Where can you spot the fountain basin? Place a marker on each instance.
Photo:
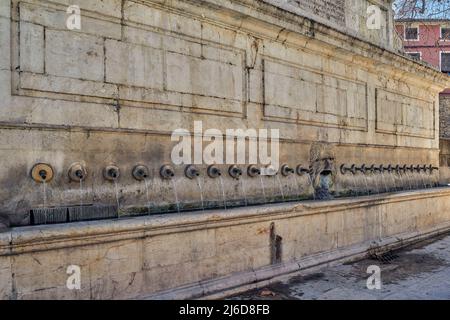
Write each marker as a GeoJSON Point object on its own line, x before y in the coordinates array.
{"type": "Point", "coordinates": [209, 253]}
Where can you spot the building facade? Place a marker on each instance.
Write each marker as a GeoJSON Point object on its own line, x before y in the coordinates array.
{"type": "Point", "coordinates": [428, 40]}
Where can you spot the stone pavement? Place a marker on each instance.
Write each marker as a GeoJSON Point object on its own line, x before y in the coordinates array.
{"type": "Point", "coordinates": [418, 272]}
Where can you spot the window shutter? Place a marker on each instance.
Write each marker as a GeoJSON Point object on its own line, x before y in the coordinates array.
{"type": "Point", "coordinates": [446, 33]}
{"type": "Point", "coordinates": [445, 62]}
{"type": "Point", "coordinates": [411, 33]}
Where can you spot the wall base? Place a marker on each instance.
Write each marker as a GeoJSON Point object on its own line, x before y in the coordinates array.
{"type": "Point", "coordinates": [234, 284]}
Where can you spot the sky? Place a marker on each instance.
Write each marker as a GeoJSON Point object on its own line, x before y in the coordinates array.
{"type": "Point", "coordinates": [434, 9]}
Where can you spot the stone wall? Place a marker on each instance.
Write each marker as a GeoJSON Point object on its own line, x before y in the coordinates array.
{"type": "Point", "coordinates": [444, 161]}
{"type": "Point", "coordinates": [444, 116]}
{"type": "Point", "coordinates": [349, 16]}
{"type": "Point", "coordinates": [444, 133]}
{"type": "Point", "coordinates": [196, 255]}
{"type": "Point", "coordinates": [113, 92]}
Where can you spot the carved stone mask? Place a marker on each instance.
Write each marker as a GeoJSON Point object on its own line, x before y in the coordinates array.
{"type": "Point", "coordinates": [323, 170]}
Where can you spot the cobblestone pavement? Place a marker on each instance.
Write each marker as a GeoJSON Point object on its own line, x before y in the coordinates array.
{"type": "Point", "coordinates": [418, 272]}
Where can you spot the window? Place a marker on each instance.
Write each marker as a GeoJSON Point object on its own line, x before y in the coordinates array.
{"type": "Point", "coordinates": [445, 62]}
{"type": "Point", "coordinates": [415, 55]}
{"type": "Point", "coordinates": [412, 33]}
{"type": "Point", "coordinates": [445, 33]}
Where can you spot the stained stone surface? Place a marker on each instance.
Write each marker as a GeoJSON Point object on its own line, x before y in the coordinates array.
{"type": "Point", "coordinates": [114, 91]}
{"type": "Point", "coordinates": [419, 272]}
{"type": "Point", "coordinates": [333, 10]}
{"type": "Point", "coordinates": [190, 255]}
{"type": "Point", "coordinates": [444, 116]}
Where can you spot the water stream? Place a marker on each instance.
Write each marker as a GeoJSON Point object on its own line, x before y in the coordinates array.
{"type": "Point", "coordinates": [263, 188]}
{"type": "Point", "coordinates": [367, 185]}
{"type": "Point", "coordinates": [175, 193]}
{"type": "Point", "coordinates": [44, 191]}
{"type": "Point", "coordinates": [223, 193]}
{"type": "Point", "coordinates": [200, 188]}
{"type": "Point", "coordinates": [81, 197]}
{"type": "Point", "coordinates": [116, 187]}
{"type": "Point", "coordinates": [355, 187]}
{"type": "Point", "coordinates": [383, 177]}
{"type": "Point", "coordinates": [312, 186]}
{"type": "Point", "coordinates": [423, 180]}
{"type": "Point", "coordinates": [297, 186]}
{"type": "Point", "coordinates": [244, 190]}
{"type": "Point", "coordinates": [147, 192]}
{"type": "Point", "coordinates": [281, 187]}
{"type": "Point", "coordinates": [393, 181]}
{"type": "Point", "coordinates": [374, 177]}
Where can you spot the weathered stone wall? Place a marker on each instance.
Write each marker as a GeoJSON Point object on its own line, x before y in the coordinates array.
{"type": "Point", "coordinates": [444, 134]}
{"type": "Point", "coordinates": [114, 91]}
{"type": "Point", "coordinates": [444, 116]}
{"type": "Point", "coordinates": [444, 161]}
{"type": "Point", "coordinates": [333, 11]}
{"type": "Point", "coordinates": [146, 256]}
{"type": "Point", "coordinates": [349, 16]}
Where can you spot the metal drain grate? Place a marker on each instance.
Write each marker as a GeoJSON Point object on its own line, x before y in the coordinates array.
{"type": "Point", "coordinates": [385, 258]}
{"type": "Point", "coordinates": [48, 216]}
{"type": "Point", "coordinates": [92, 213]}
{"type": "Point", "coordinates": [41, 216]}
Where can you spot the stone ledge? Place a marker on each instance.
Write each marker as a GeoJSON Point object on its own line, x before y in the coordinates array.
{"type": "Point", "coordinates": [41, 238]}
{"type": "Point", "coordinates": [206, 254]}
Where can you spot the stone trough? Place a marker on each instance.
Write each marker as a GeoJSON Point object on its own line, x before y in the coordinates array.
{"type": "Point", "coordinates": [213, 253]}
{"type": "Point", "coordinates": [88, 115]}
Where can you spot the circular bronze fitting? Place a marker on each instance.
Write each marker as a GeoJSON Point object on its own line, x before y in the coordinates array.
{"type": "Point", "coordinates": [286, 170]}
{"type": "Point", "coordinates": [140, 172]}
{"type": "Point", "coordinates": [214, 172]}
{"type": "Point", "coordinates": [235, 172]}
{"type": "Point", "coordinates": [167, 172]}
{"type": "Point", "coordinates": [77, 172]}
{"type": "Point", "coordinates": [111, 173]}
{"type": "Point", "coordinates": [42, 172]}
{"type": "Point", "coordinates": [253, 171]}
{"type": "Point", "coordinates": [192, 172]}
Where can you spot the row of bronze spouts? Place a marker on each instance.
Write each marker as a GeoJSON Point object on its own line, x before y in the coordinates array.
{"type": "Point", "coordinates": [78, 172]}
{"type": "Point", "coordinates": [141, 172]}
{"type": "Point", "coordinates": [390, 168]}
{"type": "Point", "coordinates": [213, 171]}
{"type": "Point", "coordinates": [167, 172]}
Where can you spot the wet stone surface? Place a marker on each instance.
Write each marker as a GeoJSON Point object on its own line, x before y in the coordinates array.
{"type": "Point", "coordinates": [419, 272]}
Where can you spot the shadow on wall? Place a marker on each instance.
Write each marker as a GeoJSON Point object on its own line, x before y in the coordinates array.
{"type": "Point", "coordinates": [444, 160]}
{"type": "Point", "coordinates": [4, 223]}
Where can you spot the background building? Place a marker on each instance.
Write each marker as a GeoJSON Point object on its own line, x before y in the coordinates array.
{"type": "Point", "coordinates": [428, 40]}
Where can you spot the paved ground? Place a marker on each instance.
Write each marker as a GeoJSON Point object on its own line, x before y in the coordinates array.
{"type": "Point", "coordinates": [418, 272]}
